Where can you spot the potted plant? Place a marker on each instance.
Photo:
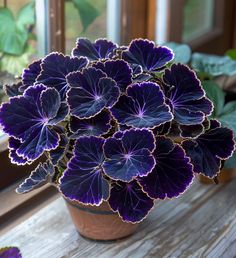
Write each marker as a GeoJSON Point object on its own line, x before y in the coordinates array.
{"type": "Point", "coordinates": [105, 119]}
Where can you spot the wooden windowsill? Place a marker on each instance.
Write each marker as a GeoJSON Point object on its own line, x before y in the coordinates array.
{"type": "Point", "coordinates": [15, 208]}
{"type": "Point", "coordinates": [201, 223]}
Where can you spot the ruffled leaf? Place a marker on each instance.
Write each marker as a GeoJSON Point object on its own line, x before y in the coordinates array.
{"type": "Point", "coordinates": [57, 154]}
{"type": "Point", "coordinates": [29, 118]}
{"type": "Point", "coordinates": [187, 97]}
{"type": "Point", "coordinates": [30, 74]}
{"type": "Point", "coordinates": [172, 174]}
{"type": "Point", "coordinates": [130, 155]}
{"type": "Point", "coordinates": [100, 49]}
{"type": "Point", "coordinates": [83, 179]}
{"type": "Point", "coordinates": [143, 107]}
{"type": "Point", "coordinates": [55, 68]}
{"type": "Point", "coordinates": [91, 92]}
{"type": "Point", "coordinates": [128, 199]}
{"type": "Point", "coordinates": [14, 144]}
{"type": "Point", "coordinates": [40, 176]}
{"type": "Point", "coordinates": [13, 89]}
{"type": "Point", "coordinates": [118, 70]}
{"type": "Point", "coordinates": [209, 149]}
{"type": "Point", "coordinates": [96, 126]}
{"type": "Point", "coordinates": [144, 53]}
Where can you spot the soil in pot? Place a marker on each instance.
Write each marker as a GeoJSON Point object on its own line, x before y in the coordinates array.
{"type": "Point", "coordinates": [226, 175]}
{"type": "Point", "coordinates": [99, 222]}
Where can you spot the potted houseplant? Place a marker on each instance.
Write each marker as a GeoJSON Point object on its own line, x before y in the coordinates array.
{"type": "Point", "coordinates": [106, 118]}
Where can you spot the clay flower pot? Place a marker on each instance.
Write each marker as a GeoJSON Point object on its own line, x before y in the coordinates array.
{"type": "Point", "coordinates": [99, 222]}
{"type": "Point", "coordinates": [226, 175]}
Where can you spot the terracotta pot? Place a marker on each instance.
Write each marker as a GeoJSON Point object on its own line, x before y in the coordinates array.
{"type": "Point", "coordinates": [99, 222]}
{"type": "Point", "coordinates": [226, 175]}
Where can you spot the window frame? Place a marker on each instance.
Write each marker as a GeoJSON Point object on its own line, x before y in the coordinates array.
{"type": "Point", "coordinates": [222, 26]}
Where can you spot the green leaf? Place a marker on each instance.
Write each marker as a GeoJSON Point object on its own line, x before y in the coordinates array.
{"type": "Point", "coordinates": [231, 162]}
{"type": "Point", "coordinates": [229, 108]}
{"type": "Point", "coordinates": [88, 13]}
{"type": "Point", "coordinates": [182, 52]}
{"type": "Point", "coordinates": [26, 16]}
{"type": "Point", "coordinates": [12, 38]}
{"type": "Point", "coordinates": [231, 53]}
{"type": "Point", "coordinates": [216, 95]}
{"type": "Point", "coordinates": [213, 65]}
{"type": "Point", "coordinates": [15, 64]}
{"type": "Point", "coordinates": [228, 116]}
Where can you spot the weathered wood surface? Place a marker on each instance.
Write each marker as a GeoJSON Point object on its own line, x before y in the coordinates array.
{"type": "Point", "coordinates": [202, 223]}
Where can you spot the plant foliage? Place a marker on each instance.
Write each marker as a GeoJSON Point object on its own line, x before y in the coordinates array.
{"type": "Point", "coordinates": [106, 118]}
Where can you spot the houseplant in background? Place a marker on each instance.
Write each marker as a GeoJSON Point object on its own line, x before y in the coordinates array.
{"type": "Point", "coordinates": [218, 76]}
{"type": "Point", "coordinates": [105, 118]}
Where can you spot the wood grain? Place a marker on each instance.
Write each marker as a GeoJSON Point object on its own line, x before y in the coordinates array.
{"type": "Point", "coordinates": [202, 223]}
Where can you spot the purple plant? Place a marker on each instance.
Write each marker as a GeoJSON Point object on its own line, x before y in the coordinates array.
{"type": "Point", "coordinates": [107, 119]}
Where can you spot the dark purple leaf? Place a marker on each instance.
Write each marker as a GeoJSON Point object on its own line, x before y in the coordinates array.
{"type": "Point", "coordinates": [144, 52]}
{"type": "Point", "coordinates": [143, 107]}
{"type": "Point", "coordinates": [118, 70]}
{"type": "Point", "coordinates": [14, 144]}
{"type": "Point", "coordinates": [128, 199]}
{"type": "Point", "coordinates": [100, 49]}
{"type": "Point", "coordinates": [96, 126]}
{"type": "Point", "coordinates": [187, 97]}
{"type": "Point", "coordinates": [55, 68]}
{"type": "Point", "coordinates": [142, 77]}
{"type": "Point", "coordinates": [172, 174]}
{"type": "Point", "coordinates": [130, 155]}
{"type": "Point", "coordinates": [57, 154]}
{"type": "Point", "coordinates": [40, 176]}
{"type": "Point", "coordinates": [91, 92]}
{"type": "Point", "coordinates": [13, 89]}
{"type": "Point", "coordinates": [40, 139]}
{"type": "Point", "coordinates": [30, 74]}
{"type": "Point", "coordinates": [83, 179]}
{"type": "Point", "coordinates": [162, 129]}
{"type": "Point", "coordinates": [191, 131]}
{"type": "Point", "coordinates": [10, 252]}
{"type": "Point", "coordinates": [29, 119]}
{"type": "Point", "coordinates": [209, 149]}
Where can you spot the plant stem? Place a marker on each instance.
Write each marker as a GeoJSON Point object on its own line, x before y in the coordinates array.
{"type": "Point", "coordinates": [5, 3]}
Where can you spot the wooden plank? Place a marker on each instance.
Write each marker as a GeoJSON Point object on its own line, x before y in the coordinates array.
{"type": "Point", "coordinates": [201, 223]}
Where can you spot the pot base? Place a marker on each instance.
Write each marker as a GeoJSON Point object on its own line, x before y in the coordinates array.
{"type": "Point", "coordinates": [226, 175]}
{"type": "Point", "coordinates": [99, 222]}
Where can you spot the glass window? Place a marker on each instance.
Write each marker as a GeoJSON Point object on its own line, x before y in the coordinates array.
{"type": "Point", "coordinates": [86, 18]}
{"type": "Point", "coordinates": [198, 18]}
{"type": "Point", "coordinates": [17, 38]}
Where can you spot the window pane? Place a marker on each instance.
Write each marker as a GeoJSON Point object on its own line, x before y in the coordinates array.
{"type": "Point", "coordinates": [17, 39]}
{"type": "Point", "coordinates": [198, 18]}
{"type": "Point", "coordinates": [87, 18]}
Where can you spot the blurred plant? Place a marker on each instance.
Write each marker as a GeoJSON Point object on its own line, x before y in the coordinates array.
{"type": "Point", "coordinates": [15, 33]}
{"type": "Point", "coordinates": [231, 53]}
{"type": "Point", "coordinates": [223, 112]}
{"type": "Point", "coordinates": [182, 52]}
{"type": "Point", "coordinates": [213, 65]}
{"type": "Point", "coordinates": [87, 12]}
